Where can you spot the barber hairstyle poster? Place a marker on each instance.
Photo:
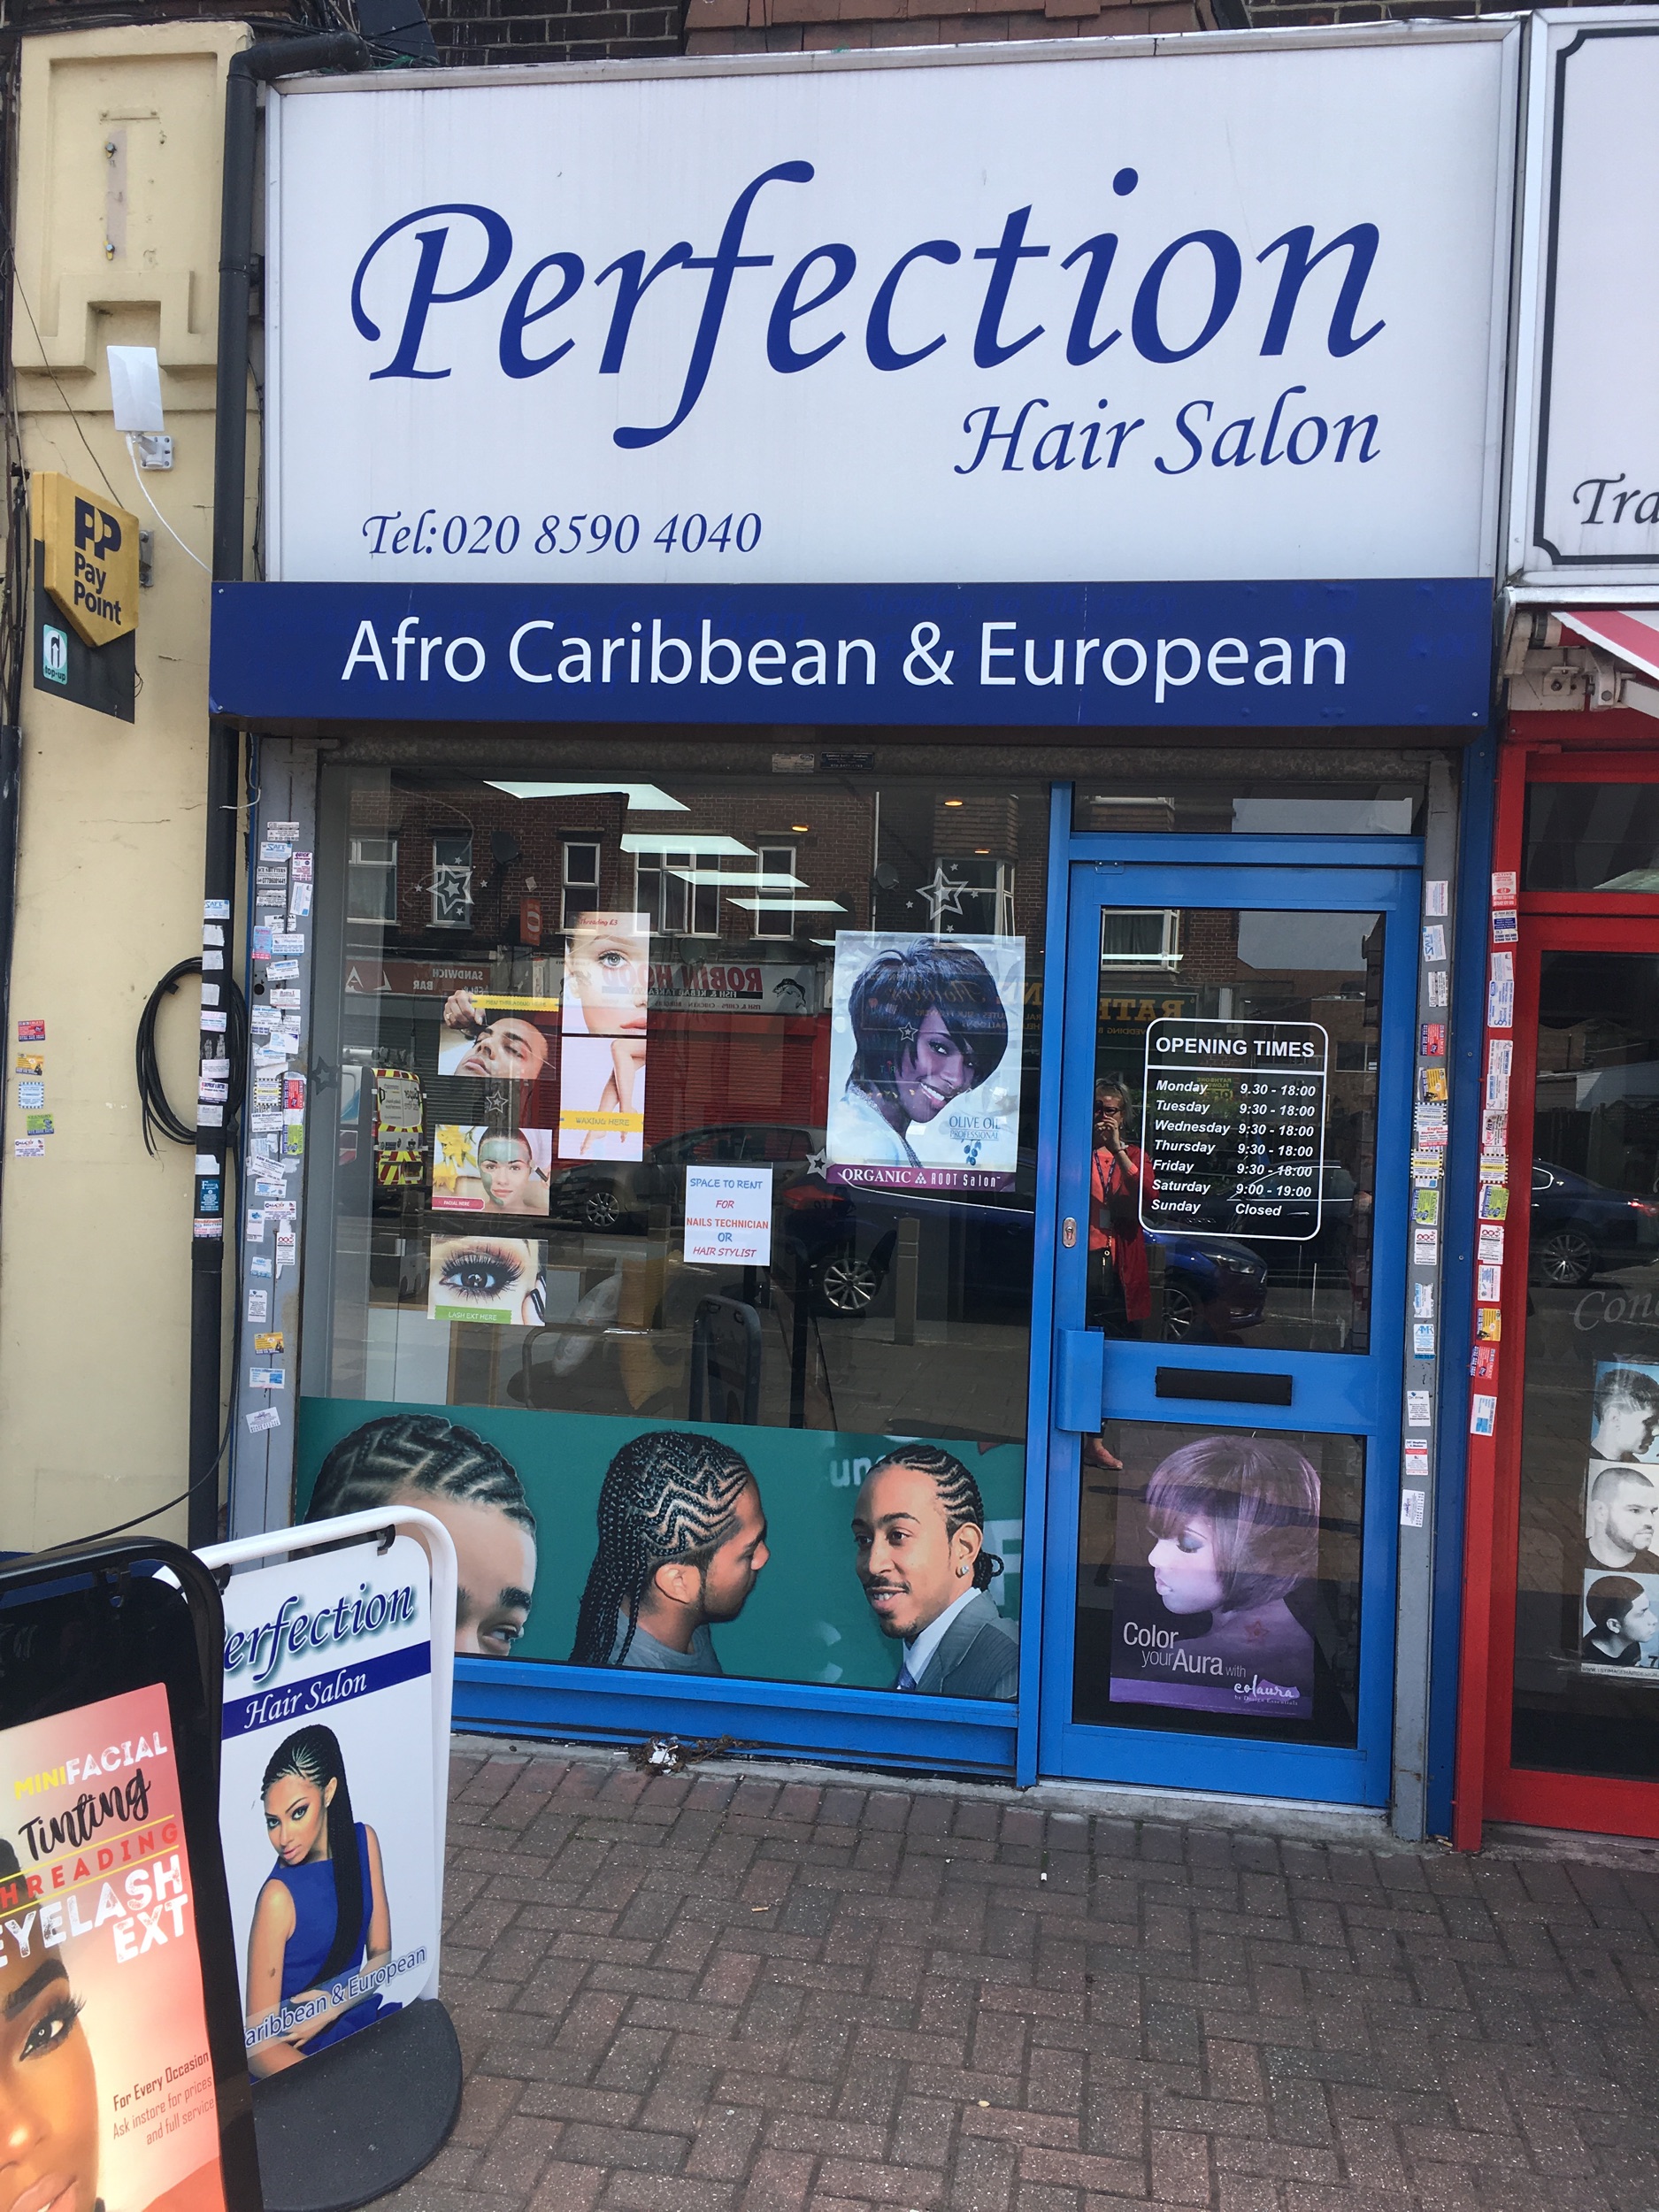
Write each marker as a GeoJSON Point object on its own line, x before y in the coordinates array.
{"type": "Point", "coordinates": [1215, 1599]}
{"type": "Point", "coordinates": [926, 1038]}
{"type": "Point", "coordinates": [326, 1794]}
{"type": "Point", "coordinates": [103, 2031]}
{"type": "Point", "coordinates": [564, 1520]}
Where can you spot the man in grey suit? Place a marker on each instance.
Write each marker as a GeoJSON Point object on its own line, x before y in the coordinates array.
{"type": "Point", "coordinates": [919, 1529]}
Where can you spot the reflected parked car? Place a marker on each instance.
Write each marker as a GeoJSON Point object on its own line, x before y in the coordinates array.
{"type": "Point", "coordinates": [1581, 1227]}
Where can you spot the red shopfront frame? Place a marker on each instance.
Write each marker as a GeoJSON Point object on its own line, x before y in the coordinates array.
{"type": "Point", "coordinates": [1618, 747]}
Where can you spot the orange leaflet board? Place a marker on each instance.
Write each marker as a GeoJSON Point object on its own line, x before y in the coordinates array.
{"type": "Point", "coordinates": [103, 2049]}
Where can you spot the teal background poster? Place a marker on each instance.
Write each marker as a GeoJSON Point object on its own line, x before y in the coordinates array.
{"type": "Point", "coordinates": [806, 1619]}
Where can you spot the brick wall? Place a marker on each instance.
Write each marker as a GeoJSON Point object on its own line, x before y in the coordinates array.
{"type": "Point", "coordinates": [788, 26]}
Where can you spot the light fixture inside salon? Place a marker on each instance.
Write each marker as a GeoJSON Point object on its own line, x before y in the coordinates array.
{"type": "Point", "coordinates": [642, 798]}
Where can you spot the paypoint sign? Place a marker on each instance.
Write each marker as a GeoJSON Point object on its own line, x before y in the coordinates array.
{"type": "Point", "coordinates": [91, 558]}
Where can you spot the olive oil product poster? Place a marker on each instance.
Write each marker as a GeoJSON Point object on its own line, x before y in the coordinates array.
{"type": "Point", "coordinates": [326, 1794]}
{"type": "Point", "coordinates": [102, 2026]}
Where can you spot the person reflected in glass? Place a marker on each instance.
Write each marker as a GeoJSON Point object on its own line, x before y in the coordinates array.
{"type": "Point", "coordinates": [1623, 1509]}
{"type": "Point", "coordinates": [1119, 1302]}
{"type": "Point", "coordinates": [321, 1918]}
{"type": "Point", "coordinates": [1626, 1414]}
{"type": "Point", "coordinates": [1235, 1527]}
{"type": "Point", "coordinates": [928, 1026]}
{"type": "Point", "coordinates": [1622, 1620]}
{"type": "Point", "coordinates": [918, 1532]}
{"type": "Point", "coordinates": [450, 1472]}
{"type": "Point", "coordinates": [682, 1540]}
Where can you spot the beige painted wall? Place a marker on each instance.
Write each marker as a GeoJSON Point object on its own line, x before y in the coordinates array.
{"type": "Point", "coordinates": [120, 137]}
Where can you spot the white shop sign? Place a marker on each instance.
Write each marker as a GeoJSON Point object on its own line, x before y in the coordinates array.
{"type": "Point", "coordinates": [1206, 312]}
{"type": "Point", "coordinates": [1583, 504]}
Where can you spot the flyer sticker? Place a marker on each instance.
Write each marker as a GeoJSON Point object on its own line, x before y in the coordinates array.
{"type": "Point", "coordinates": [1503, 887]}
{"type": "Point", "coordinates": [31, 1033]}
{"type": "Point", "coordinates": [1422, 1340]}
{"type": "Point", "coordinates": [264, 1418]}
{"type": "Point", "coordinates": [1483, 1415]}
{"type": "Point", "coordinates": [1418, 1415]}
{"type": "Point", "coordinates": [38, 1124]}
{"type": "Point", "coordinates": [31, 1092]}
{"type": "Point", "coordinates": [1506, 928]}
{"type": "Point", "coordinates": [1483, 1363]}
{"type": "Point", "coordinates": [1436, 895]}
{"type": "Point", "coordinates": [28, 1147]}
{"type": "Point", "coordinates": [1434, 942]}
{"type": "Point", "coordinates": [1412, 1505]}
{"type": "Point", "coordinates": [1440, 987]}
{"type": "Point", "coordinates": [1432, 1043]}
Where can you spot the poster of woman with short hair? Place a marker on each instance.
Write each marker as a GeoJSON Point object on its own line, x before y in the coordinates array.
{"type": "Point", "coordinates": [924, 1061]}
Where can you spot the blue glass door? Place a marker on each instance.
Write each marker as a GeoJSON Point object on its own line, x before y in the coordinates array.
{"type": "Point", "coordinates": [1234, 1210]}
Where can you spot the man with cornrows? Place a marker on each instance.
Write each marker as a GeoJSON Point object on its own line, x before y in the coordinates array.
{"type": "Point", "coordinates": [682, 1536]}
{"type": "Point", "coordinates": [920, 1530]}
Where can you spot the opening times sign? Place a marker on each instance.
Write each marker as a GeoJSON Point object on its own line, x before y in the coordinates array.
{"type": "Point", "coordinates": [1235, 1116]}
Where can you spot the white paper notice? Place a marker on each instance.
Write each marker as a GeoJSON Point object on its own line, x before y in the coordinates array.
{"type": "Point", "coordinates": [728, 1216]}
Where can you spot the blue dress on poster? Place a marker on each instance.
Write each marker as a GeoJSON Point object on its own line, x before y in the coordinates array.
{"type": "Point", "coordinates": [311, 1886]}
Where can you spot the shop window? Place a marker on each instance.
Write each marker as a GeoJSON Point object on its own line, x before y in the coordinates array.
{"type": "Point", "coordinates": [679, 891]}
{"type": "Point", "coordinates": [1586, 1694]}
{"type": "Point", "coordinates": [1149, 937]}
{"type": "Point", "coordinates": [452, 879]}
{"type": "Point", "coordinates": [1591, 837]}
{"type": "Point", "coordinates": [669, 1213]}
{"type": "Point", "coordinates": [775, 916]}
{"type": "Point", "coordinates": [372, 880]}
{"type": "Point", "coordinates": [579, 889]}
{"type": "Point", "coordinates": [1252, 804]}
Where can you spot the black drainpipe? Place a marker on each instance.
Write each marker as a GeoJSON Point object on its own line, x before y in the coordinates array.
{"type": "Point", "coordinates": [249, 70]}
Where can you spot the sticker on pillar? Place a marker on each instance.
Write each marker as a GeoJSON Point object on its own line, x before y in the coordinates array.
{"type": "Point", "coordinates": [1506, 928]}
{"type": "Point", "coordinates": [1483, 1415]}
{"type": "Point", "coordinates": [108, 2068]}
{"type": "Point", "coordinates": [484, 1278]}
{"type": "Point", "coordinates": [924, 1065]}
{"type": "Point", "coordinates": [1216, 1575]}
{"type": "Point", "coordinates": [1483, 1363]}
{"type": "Point", "coordinates": [31, 1033]}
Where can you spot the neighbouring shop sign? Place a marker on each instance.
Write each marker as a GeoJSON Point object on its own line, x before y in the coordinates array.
{"type": "Point", "coordinates": [1584, 500]}
{"type": "Point", "coordinates": [1184, 315]}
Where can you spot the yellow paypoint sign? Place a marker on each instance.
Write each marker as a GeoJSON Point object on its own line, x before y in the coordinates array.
{"type": "Point", "coordinates": [91, 564]}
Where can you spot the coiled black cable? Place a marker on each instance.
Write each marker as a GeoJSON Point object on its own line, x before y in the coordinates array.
{"type": "Point", "coordinates": [159, 1118]}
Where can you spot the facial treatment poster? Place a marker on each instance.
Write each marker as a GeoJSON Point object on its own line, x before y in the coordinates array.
{"type": "Point", "coordinates": [1217, 1558]}
{"type": "Point", "coordinates": [104, 2037]}
{"type": "Point", "coordinates": [924, 1061]}
{"type": "Point", "coordinates": [529, 1529]}
{"type": "Point", "coordinates": [326, 1794]}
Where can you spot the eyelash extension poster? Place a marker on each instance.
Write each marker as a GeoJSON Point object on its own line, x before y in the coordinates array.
{"type": "Point", "coordinates": [926, 1038]}
{"type": "Point", "coordinates": [326, 1765]}
{"type": "Point", "coordinates": [482, 1279]}
{"type": "Point", "coordinates": [106, 2050]}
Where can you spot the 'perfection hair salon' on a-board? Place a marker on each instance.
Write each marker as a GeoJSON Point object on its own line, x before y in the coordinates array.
{"type": "Point", "coordinates": [871, 670]}
{"type": "Point", "coordinates": [1560, 1720]}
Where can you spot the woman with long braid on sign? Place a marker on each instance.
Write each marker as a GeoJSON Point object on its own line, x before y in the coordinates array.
{"type": "Point", "coordinates": [682, 1535]}
{"type": "Point", "coordinates": [321, 1920]}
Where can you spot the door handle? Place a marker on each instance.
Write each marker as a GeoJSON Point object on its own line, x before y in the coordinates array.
{"type": "Point", "coordinates": [1080, 1379]}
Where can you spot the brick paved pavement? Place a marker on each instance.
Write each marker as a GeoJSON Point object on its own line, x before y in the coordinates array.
{"type": "Point", "coordinates": [713, 1993]}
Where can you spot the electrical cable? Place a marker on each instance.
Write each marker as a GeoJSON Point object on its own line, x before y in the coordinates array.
{"type": "Point", "coordinates": [132, 455]}
{"type": "Point", "coordinates": [160, 1117]}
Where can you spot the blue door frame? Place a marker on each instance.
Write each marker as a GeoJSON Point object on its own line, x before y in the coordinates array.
{"type": "Point", "coordinates": [1353, 1394]}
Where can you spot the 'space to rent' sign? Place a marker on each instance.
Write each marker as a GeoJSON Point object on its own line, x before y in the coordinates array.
{"type": "Point", "coordinates": [1199, 315]}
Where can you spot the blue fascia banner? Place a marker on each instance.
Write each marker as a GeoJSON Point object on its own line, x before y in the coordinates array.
{"type": "Point", "coordinates": [1413, 652]}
